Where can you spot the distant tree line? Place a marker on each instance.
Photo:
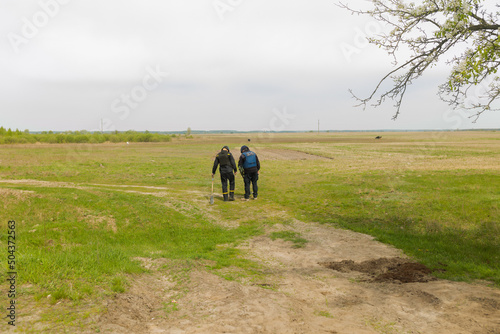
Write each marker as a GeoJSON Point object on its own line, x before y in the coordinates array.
{"type": "Point", "coordinates": [8, 136]}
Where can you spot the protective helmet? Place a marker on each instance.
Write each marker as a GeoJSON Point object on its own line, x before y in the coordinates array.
{"type": "Point", "coordinates": [244, 148]}
{"type": "Point", "coordinates": [225, 147]}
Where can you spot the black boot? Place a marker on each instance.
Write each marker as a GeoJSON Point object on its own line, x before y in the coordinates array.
{"type": "Point", "coordinates": [225, 197]}
{"type": "Point", "coordinates": [231, 196]}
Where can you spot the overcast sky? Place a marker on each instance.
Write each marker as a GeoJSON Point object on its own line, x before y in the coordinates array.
{"type": "Point", "coordinates": [206, 64]}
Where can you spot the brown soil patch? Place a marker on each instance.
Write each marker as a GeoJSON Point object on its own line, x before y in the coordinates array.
{"type": "Point", "coordinates": [17, 194]}
{"type": "Point", "coordinates": [406, 273]}
{"type": "Point", "coordinates": [385, 270]}
{"type": "Point", "coordinates": [135, 310]}
{"type": "Point", "coordinates": [40, 183]}
{"type": "Point", "coordinates": [98, 222]}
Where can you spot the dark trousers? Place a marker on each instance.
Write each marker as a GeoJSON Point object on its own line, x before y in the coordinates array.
{"type": "Point", "coordinates": [224, 177]}
{"type": "Point", "coordinates": [251, 178]}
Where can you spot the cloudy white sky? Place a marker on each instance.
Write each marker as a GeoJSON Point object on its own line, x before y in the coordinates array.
{"type": "Point", "coordinates": [165, 65]}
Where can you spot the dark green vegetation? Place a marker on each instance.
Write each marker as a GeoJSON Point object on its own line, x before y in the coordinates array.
{"type": "Point", "coordinates": [103, 206]}
{"type": "Point", "coordinates": [25, 137]}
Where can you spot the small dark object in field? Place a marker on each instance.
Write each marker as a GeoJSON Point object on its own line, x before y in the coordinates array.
{"type": "Point", "coordinates": [248, 139]}
{"type": "Point", "coordinates": [378, 137]}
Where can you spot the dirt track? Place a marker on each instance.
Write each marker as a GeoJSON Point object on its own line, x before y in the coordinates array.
{"type": "Point", "coordinates": [301, 295]}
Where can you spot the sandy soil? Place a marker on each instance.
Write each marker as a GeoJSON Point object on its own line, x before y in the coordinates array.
{"type": "Point", "coordinates": [302, 294]}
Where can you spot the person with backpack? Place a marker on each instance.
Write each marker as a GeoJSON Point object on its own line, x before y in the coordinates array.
{"type": "Point", "coordinates": [249, 166]}
{"type": "Point", "coordinates": [227, 172]}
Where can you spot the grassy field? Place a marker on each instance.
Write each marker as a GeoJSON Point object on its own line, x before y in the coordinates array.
{"type": "Point", "coordinates": [89, 211]}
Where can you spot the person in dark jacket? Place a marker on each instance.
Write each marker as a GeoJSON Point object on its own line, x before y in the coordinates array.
{"type": "Point", "coordinates": [250, 165]}
{"type": "Point", "coordinates": [227, 171]}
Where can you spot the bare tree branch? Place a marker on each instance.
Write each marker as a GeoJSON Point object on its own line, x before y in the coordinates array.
{"type": "Point", "coordinates": [430, 30]}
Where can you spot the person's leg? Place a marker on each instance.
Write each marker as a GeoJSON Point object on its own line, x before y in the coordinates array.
{"type": "Point", "coordinates": [246, 178]}
{"type": "Point", "coordinates": [223, 179]}
{"type": "Point", "coordinates": [231, 187]}
{"type": "Point", "coordinates": [255, 188]}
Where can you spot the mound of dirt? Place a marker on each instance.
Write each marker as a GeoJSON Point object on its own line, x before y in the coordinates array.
{"type": "Point", "coordinates": [385, 270]}
{"type": "Point", "coordinates": [406, 273]}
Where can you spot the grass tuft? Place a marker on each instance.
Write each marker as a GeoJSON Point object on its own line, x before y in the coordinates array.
{"type": "Point", "coordinates": [294, 237]}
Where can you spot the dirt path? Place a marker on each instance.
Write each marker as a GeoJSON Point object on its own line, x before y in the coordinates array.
{"type": "Point", "coordinates": [301, 295]}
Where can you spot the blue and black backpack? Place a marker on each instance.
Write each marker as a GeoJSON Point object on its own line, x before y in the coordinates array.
{"type": "Point", "coordinates": [250, 160]}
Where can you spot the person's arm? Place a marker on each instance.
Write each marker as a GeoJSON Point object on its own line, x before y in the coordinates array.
{"type": "Point", "coordinates": [258, 162]}
{"type": "Point", "coordinates": [242, 160]}
{"type": "Point", "coordinates": [216, 163]}
{"type": "Point", "coordinates": [233, 163]}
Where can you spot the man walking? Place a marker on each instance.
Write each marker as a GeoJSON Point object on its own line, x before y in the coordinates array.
{"type": "Point", "coordinates": [227, 171]}
{"type": "Point", "coordinates": [250, 164]}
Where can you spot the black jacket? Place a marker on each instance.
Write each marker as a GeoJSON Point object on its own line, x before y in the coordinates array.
{"type": "Point", "coordinates": [226, 161]}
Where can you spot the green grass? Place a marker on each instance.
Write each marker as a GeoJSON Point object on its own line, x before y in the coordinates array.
{"type": "Point", "coordinates": [72, 243]}
{"type": "Point", "coordinates": [449, 220]}
{"type": "Point", "coordinates": [325, 314]}
{"type": "Point", "coordinates": [294, 237]}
